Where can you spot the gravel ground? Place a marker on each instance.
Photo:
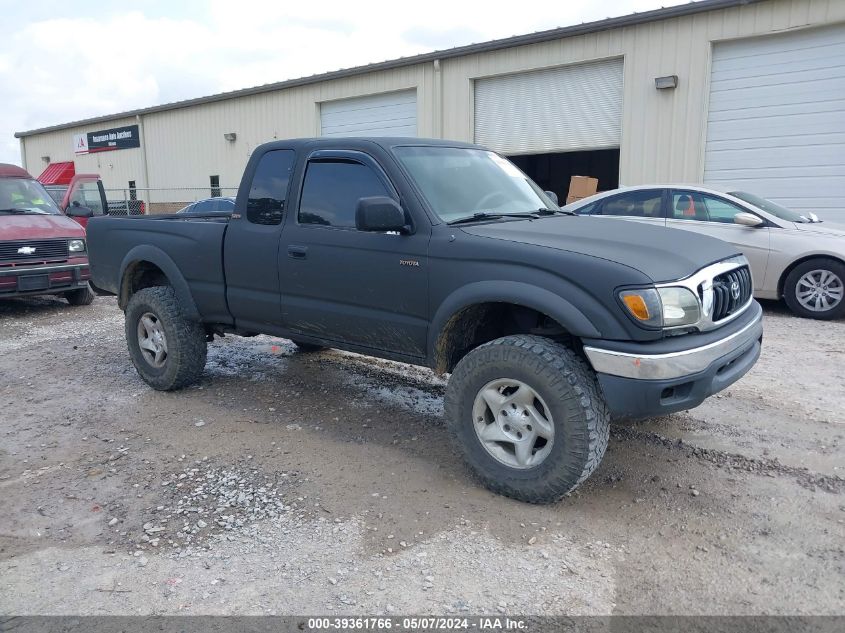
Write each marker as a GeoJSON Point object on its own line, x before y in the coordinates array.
{"type": "Point", "coordinates": [325, 483]}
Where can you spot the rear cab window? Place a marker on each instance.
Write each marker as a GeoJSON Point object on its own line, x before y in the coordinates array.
{"type": "Point", "coordinates": [269, 189]}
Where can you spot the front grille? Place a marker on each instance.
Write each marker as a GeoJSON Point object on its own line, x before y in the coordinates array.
{"type": "Point", "coordinates": [45, 250]}
{"type": "Point", "coordinates": [731, 291]}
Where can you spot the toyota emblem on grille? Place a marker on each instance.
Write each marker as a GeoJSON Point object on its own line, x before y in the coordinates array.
{"type": "Point", "coordinates": [26, 250]}
{"type": "Point", "coordinates": [735, 290]}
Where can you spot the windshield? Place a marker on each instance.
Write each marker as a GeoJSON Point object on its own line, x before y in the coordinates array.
{"type": "Point", "coordinates": [459, 183]}
{"type": "Point", "coordinates": [25, 196]}
{"type": "Point", "coordinates": [767, 205]}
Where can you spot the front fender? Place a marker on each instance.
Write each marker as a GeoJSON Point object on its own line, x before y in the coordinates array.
{"type": "Point", "coordinates": [156, 256]}
{"type": "Point", "coordinates": [515, 292]}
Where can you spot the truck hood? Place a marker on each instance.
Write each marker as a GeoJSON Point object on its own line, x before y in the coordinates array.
{"type": "Point", "coordinates": [38, 227]}
{"type": "Point", "coordinates": [663, 254]}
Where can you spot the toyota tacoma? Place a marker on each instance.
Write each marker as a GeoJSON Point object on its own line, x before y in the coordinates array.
{"type": "Point", "coordinates": [445, 255]}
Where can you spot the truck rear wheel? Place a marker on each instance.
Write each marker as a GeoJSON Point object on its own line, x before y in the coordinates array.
{"type": "Point", "coordinates": [168, 350]}
{"type": "Point", "coordinates": [529, 416]}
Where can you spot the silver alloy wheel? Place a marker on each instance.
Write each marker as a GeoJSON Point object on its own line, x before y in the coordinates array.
{"type": "Point", "coordinates": [819, 290]}
{"type": "Point", "coordinates": [151, 339]}
{"type": "Point", "coordinates": [513, 423]}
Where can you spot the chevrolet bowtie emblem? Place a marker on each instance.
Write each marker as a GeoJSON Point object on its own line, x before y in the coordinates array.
{"type": "Point", "coordinates": [26, 250]}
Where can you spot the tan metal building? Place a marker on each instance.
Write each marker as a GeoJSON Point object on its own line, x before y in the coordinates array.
{"type": "Point", "coordinates": [738, 93]}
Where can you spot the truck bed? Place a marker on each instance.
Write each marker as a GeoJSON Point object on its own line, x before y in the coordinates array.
{"type": "Point", "coordinates": [193, 244]}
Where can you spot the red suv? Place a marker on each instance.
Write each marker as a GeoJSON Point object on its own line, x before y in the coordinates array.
{"type": "Point", "coordinates": [42, 251]}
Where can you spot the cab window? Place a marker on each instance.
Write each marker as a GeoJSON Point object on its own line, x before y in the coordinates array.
{"type": "Point", "coordinates": [269, 189]}
{"type": "Point", "coordinates": [332, 189]}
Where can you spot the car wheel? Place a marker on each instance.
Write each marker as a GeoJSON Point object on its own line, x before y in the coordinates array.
{"type": "Point", "coordinates": [81, 297]}
{"type": "Point", "coordinates": [815, 289]}
{"type": "Point", "coordinates": [168, 350]}
{"type": "Point", "coordinates": [529, 416]}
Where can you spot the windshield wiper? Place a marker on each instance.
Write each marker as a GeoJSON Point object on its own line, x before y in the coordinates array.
{"type": "Point", "coordinates": [486, 215]}
{"type": "Point", "coordinates": [545, 211]}
{"type": "Point", "coordinates": [15, 211]}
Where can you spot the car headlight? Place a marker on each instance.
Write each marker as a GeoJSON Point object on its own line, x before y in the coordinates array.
{"type": "Point", "coordinates": [76, 246]}
{"type": "Point", "coordinates": [680, 306]}
{"type": "Point", "coordinates": [644, 305]}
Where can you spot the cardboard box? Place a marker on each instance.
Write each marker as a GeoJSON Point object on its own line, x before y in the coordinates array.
{"type": "Point", "coordinates": [581, 187]}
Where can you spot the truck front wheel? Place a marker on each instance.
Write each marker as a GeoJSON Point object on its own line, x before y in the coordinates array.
{"type": "Point", "coordinates": [529, 416]}
{"type": "Point", "coordinates": [168, 350]}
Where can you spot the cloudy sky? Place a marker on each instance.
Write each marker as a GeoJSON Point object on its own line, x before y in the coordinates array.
{"type": "Point", "coordinates": [62, 61]}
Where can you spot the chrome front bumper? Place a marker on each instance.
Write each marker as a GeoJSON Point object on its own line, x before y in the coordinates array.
{"type": "Point", "coordinates": [675, 364]}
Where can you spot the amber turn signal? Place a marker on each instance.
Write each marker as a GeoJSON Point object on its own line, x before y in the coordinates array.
{"type": "Point", "coordinates": [637, 307]}
{"type": "Point", "coordinates": [644, 305]}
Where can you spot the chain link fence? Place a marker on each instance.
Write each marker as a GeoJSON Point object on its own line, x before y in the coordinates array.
{"type": "Point", "coordinates": [148, 201]}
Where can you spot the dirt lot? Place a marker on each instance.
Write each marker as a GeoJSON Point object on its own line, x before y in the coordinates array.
{"type": "Point", "coordinates": [325, 483]}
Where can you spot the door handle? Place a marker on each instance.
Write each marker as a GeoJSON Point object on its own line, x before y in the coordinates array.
{"type": "Point", "coordinates": [297, 252]}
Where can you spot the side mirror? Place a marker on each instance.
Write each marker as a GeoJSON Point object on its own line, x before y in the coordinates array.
{"type": "Point", "coordinates": [747, 219]}
{"type": "Point", "coordinates": [380, 214]}
{"type": "Point", "coordinates": [553, 196]}
{"type": "Point", "coordinates": [76, 210]}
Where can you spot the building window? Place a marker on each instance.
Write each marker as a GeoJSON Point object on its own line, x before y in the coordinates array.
{"type": "Point", "coordinates": [133, 191]}
{"type": "Point", "coordinates": [215, 186]}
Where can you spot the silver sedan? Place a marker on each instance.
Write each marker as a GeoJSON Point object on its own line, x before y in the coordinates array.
{"type": "Point", "coordinates": [795, 257]}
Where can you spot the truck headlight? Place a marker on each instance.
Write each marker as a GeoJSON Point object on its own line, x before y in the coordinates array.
{"type": "Point", "coordinates": [644, 305]}
{"type": "Point", "coordinates": [76, 246]}
{"type": "Point", "coordinates": [671, 306]}
{"type": "Point", "coordinates": [680, 306]}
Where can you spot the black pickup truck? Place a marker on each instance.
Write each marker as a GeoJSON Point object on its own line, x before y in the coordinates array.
{"type": "Point", "coordinates": [444, 254]}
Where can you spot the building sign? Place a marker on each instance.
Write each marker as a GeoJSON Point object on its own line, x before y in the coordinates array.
{"type": "Point", "coordinates": [107, 140]}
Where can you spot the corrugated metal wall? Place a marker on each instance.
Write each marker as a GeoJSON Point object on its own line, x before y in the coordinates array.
{"type": "Point", "coordinates": [663, 132]}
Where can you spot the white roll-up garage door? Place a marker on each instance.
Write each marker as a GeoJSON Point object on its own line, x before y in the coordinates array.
{"type": "Point", "coordinates": [388, 114]}
{"type": "Point", "coordinates": [776, 123]}
{"type": "Point", "coordinates": [554, 110]}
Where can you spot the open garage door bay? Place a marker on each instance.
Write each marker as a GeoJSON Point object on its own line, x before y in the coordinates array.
{"type": "Point", "coordinates": [388, 114]}
{"type": "Point", "coordinates": [776, 123]}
